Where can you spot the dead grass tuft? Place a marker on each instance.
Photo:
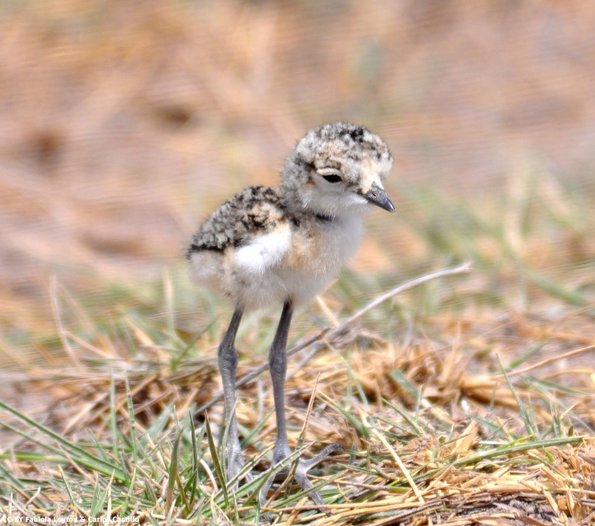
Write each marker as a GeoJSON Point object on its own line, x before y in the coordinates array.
{"type": "Point", "coordinates": [442, 429]}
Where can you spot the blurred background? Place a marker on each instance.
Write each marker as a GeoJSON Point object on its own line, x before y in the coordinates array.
{"type": "Point", "coordinates": [122, 124]}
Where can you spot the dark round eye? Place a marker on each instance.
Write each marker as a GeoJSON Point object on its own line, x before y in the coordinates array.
{"type": "Point", "coordinates": [332, 178]}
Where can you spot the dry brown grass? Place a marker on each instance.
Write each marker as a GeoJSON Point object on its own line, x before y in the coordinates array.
{"type": "Point", "coordinates": [122, 124]}
{"type": "Point", "coordinates": [446, 426]}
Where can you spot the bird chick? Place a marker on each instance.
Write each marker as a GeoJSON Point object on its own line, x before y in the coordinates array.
{"type": "Point", "coordinates": [268, 245]}
{"type": "Point", "coordinates": [282, 245]}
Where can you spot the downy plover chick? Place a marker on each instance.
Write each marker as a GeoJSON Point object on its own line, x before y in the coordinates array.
{"type": "Point", "coordinates": [282, 245]}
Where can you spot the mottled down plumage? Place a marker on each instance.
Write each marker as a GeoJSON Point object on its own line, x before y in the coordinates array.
{"type": "Point", "coordinates": [252, 211]}
{"type": "Point", "coordinates": [267, 245]}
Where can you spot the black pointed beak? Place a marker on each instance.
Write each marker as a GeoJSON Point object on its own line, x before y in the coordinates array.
{"type": "Point", "coordinates": [377, 196]}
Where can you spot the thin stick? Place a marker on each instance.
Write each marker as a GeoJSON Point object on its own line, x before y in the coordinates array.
{"type": "Point", "coordinates": [461, 269]}
{"type": "Point", "coordinates": [315, 342]}
{"type": "Point", "coordinates": [547, 361]}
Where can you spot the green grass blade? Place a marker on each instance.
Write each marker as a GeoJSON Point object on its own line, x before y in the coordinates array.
{"type": "Point", "coordinates": [76, 451]}
{"type": "Point", "coordinates": [172, 475]}
{"type": "Point", "coordinates": [216, 460]}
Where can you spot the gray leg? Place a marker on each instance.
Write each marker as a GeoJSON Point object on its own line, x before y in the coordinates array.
{"type": "Point", "coordinates": [228, 360]}
{"type": "Point", "coordinates": [278, 368]}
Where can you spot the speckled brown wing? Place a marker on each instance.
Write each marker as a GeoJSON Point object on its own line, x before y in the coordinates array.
{"type": "Point", "coordinates": [254, 211]}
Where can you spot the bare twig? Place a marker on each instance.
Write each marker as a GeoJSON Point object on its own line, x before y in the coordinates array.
{"type": "Point", "coordinates": [547, 361]}
{"type": "Point", "coordinates": [315, 343]}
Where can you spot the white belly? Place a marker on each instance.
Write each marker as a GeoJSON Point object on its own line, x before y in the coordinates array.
{"type": "Point", "coordinates": [315, 257]}
{"type": "Point", "coordinates": [258, 275]}
{"type": "Point", "coordinates": [321, 258]}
